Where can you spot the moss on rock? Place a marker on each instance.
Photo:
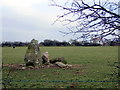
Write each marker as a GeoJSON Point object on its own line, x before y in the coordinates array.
{"type": "Point", "coordinates": [32, 56]}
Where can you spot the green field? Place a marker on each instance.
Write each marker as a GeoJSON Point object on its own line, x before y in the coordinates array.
{"type": "Point", "coordinates": [94, 71]}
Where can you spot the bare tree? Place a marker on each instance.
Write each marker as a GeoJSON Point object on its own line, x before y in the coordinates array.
{"type": "Point", "coordinates": [90, 18]}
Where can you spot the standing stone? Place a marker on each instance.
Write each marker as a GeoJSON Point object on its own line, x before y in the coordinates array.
{"type": "Point", "coordinates": [32, 56]}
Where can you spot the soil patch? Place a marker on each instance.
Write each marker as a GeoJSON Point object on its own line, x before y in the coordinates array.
{"type": "Point", "coordinates": [23, 67]}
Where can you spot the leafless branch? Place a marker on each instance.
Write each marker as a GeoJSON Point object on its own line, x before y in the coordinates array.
{"type": "Point", "coordinates": [93, 18]}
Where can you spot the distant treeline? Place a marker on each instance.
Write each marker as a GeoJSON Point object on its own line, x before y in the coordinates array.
{"type": "Point", "coordinates": [65, 43]}
{"type": "Point", "coordinates": [13, 44]}
{"type": "Point", "coordinates": [48, 42]}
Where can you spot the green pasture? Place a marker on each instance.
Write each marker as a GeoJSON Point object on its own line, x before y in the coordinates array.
{"type": "Point", "coordinates": [95, 72]}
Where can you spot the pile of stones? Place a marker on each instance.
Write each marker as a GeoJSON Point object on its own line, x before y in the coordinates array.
{"type": "Point", "coordinates": [33, 57]}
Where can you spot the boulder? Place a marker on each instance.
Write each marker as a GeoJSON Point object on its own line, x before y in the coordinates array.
{"type": "Point", "coordinates": [45, 58]}
{"type": "Point", "coordinates": [60, 59]}
{"type": "Point", "coordinates": [68, 65]}
{"type": "Point", "coordinates": [60, 64]}
{"type": "Point", "coordinates": [32, 56]}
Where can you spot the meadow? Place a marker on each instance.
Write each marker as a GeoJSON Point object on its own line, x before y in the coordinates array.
{"type": "Point", "coordinates": [94, 70]}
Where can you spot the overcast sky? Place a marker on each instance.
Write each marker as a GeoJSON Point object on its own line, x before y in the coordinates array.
{"type": "Point", "coordinates": [23, 20]}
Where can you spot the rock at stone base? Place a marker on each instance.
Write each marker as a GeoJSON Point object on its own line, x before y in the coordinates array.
{"type": "Point", "coordinates": [23, 68]}
{"type": "Point", "coordinates": [68, 65]}
{"type": "Point", "coordinates": [45, 58]}
{"type": "Point", "coordinates": [30, 67]}
{"type": "Point", "coordinates": [32, 56]}
{"type": "Point", "coordinates": [60, 59]}
{"type": "Point", "coordinates": [60, 64]}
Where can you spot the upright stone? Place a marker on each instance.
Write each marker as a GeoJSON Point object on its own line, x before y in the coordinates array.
{"type": "Point", "coordinates": [32, 56]}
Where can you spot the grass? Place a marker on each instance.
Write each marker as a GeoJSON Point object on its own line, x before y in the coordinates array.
{"type": "Point", "coordinates": [93, 61]}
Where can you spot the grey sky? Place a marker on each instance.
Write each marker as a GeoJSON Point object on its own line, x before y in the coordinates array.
{"type": "Point", "coordinates": [23, 20]}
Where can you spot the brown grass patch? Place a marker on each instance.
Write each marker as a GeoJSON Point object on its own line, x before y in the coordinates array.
{"type": "Point", "coordinates": [23, 67]}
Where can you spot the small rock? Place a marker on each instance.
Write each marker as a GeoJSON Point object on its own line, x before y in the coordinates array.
{"type": "Point", "coordinates": [60, 64]}
{"type": "Point", "coordinates": [68, 65]}
{"type": "Point", "coordinates": [23, 68]}
{"type": "Point", "coordinates": [31, 67]}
